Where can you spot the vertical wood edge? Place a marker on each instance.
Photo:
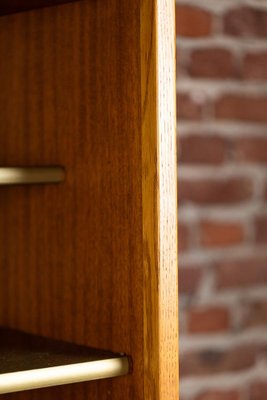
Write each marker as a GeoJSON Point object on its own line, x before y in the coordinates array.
{"type": "Point", "coordinates": [167, 163]}
{"type": "Point", "coordinates": [159, 190]}
{"type": "Point", "coordinates": [149, 197]}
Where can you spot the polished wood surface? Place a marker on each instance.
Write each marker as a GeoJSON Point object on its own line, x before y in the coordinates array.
{"type": "Point", "coordinates": [159, 188]}
{"type": "Point", "coordinates": [13, 6]}
{"type": "Point", "coordinates": [93, 260]}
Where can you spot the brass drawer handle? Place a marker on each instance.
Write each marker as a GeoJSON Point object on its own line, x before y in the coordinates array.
{"type": "Point", "coordinates": [31, 175]}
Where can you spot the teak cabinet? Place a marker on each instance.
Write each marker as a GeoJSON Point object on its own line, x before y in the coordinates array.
{"type": "Point", "coordinates": [88, 237]}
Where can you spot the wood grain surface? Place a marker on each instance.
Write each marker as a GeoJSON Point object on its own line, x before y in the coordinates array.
{"type": "Point", "coordinates": [167, 198]}
{"type": "Point", "coordinates": [159, 189]}
{"type": "Point", "coordinates": [93, 260]}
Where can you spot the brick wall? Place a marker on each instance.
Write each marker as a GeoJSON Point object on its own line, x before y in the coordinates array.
{"type": "Point", "coordinates": [222, 125]}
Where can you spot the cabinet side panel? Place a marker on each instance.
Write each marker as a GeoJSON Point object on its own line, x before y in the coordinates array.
{"type": "Point", "coordinates": [159, 200]}
{"type": "Point", "coordinates": [71, 254]}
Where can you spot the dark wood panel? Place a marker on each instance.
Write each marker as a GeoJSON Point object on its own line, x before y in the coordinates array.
{"type": "Point", "coordinates": [13, 6]}
{"type": "Point", "coordinates": [71, 254]}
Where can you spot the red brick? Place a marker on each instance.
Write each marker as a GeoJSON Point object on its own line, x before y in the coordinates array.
{"type": "Point", "coordinates": [189, 279]}
{"type": "Point", "coordinates": [180, 63]}
{"type": "Point", "coordinates": [246, 21]}
{"type": "Point", "coordinates": [240, 107]}
{"type": "Point", "coordinates": [251, 149]}
{"type": "Point", "coordinates": [188, 108]}
{"type": "Point", "coordinates": [219, 395]}
{"type": "Point", "coordinates": [216, 234]}
{"type": "Point", "coordinates": [192, 21]}
{"type": "Point", "coordinates": [211, 362]}
{"type": "Point", "coordinates": [212, 63]}
{"type": "Point", "coordinates": [255, 66]}
{"type": "Point", "coordinates": [258, 391]}
{"type": "Point", "coordinates": [212, 319]}
{"type": "Point", "coordinates": [256, 313]}
{"type": "Point", "coordinates": [215, 191]}
{"type": "Point", "coordinates": [202, 150]}
{"type": "Point", "coordinates": [261, 229]}
{"type": "Point", "coordinates": [182, 237]}
{"type": "Point", "coordinates": [245, 273]}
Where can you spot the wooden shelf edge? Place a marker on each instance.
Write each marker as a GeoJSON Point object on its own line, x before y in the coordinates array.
{"type": "Point", "coordinates": [32, 362]}
{"type": "Point", "coordinates": [14, 6]}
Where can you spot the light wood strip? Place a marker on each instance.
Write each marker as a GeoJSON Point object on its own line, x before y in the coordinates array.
{"type": "Point", "coordinates": [159, 200]}
{"type": "Point", "coordinates": [167, 162]}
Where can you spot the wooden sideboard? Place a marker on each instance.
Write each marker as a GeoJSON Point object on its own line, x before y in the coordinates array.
{"type": "Point", "coordinates": [89, 255]}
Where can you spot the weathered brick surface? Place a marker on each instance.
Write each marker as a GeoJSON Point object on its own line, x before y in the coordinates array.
{"type": "Point", "coordinates": [222, 131]}
{"type": "Point", "coordinates": [242, 273]}
{"type": "Point", "coordinates": [189, 279]}
{"type": "Point", "coordinates": [207, 320]}
{"type": "Point", "coordinates": [212, 63]}
{"type": "Point", "coordinates": [242, 107]}
{"type": "Point", "coordinates": [192, 21]}
{"type": "Point", "coordinates": [220, 234]}
{"type": "Point", "coordinates": [261, 229]}
{"type": "Point", "coordinates": [215, 191]}
{"type": "Point", "coordinates": [183, 237]}
{"type": "Point", "coordinates": [212, 362]}
{"type": "Point", "coordinates": [195, 149]}
{"type": "Point", "coordinates": [256, 314]}
{"type": "Point", "coordinates": [246, 21]}
{"type": "Point", "coordinates": [251, 149]}
{"type": "Point", "coordinates": [258, 391]}
{"type": "Point", "coordinates": [255, 66]}
{"type": "Point", "coordinates": [188, 107]}
{"type": "Point", "coordinates": [219, 395]}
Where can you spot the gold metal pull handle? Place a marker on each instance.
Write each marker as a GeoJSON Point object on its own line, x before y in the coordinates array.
{"type": "Point", "coordinates": [31, 175]}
